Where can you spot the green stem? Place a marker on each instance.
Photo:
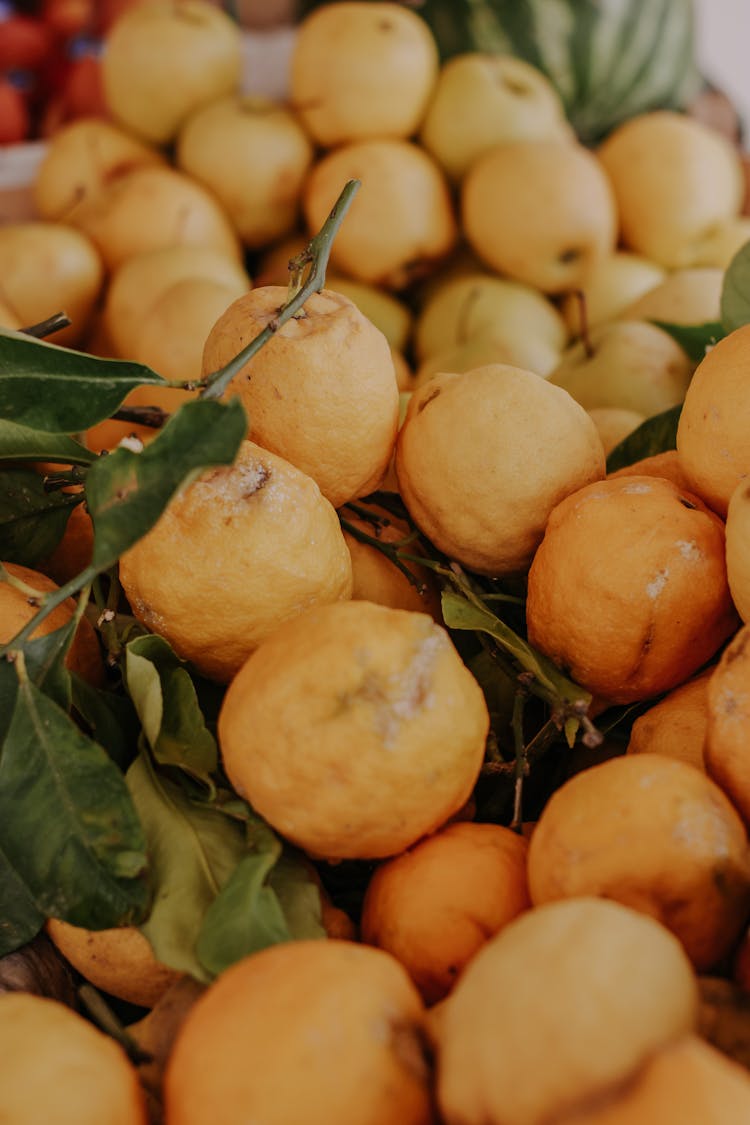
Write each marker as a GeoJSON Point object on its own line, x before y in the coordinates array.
{"type": "Point", "coordinates": [522, 764]}
{"type": "Point", "coordinates": [390, 550]}
{"type": "Point", "coordinates": [317, 255]}
{"type": "Point", "coordinates": [101, 1013]}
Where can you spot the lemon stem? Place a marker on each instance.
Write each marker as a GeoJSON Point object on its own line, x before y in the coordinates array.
{"type": "Point", "coordinates": [48, 326]}
{"type": "Point", "coordinates": [303, 284]}
{"type": "Point", "coordinates": [522, 763]}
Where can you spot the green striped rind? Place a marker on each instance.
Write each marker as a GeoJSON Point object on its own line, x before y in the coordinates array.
{"type": "Point", "coordinates": [608, 59]}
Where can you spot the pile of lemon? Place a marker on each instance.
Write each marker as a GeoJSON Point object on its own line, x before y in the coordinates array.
{"type": "Point", "coordinates": [543, 977]}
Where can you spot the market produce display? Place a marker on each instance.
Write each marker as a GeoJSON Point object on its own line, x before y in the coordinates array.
{"type": "Point", "coordinates": [375, 580]}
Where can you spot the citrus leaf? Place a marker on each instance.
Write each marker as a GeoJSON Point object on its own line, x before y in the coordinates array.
{"type": "Point", "coordinates": [20, 918]}
{"type": "Point", "coordinates": [694, 339]}
{"type": "Point", "coordinates": [270, 898]}
{"type": "Point", "coordinates": [245, 917]}
{"type": "Point", "coordinates": [193, 850]}
{"type": "Point", "coordinates": [460, 613]}
{"type": "Point", "coordinates": [126, 492]}
{"type": "Point", "coordinates": [110, 719]}
{"type": "Point", "coordinates": [167, 705]}
{"type": "Point", "coordinates": [32, 520]}
{"type": "Point", "coordinates": [655, 435]}
{"type": "Point", "coordinates": [44, 658]}
{"type": "Point", "coordinates": [47, 387]}
{"type": "Point", "coordinates": [299, 896]}
{"type": "Point", "coordinates": [68, 826]}
{"type": "Point", "coordinates": [735, 293]}
{"type": "Point", "coordinates": [22, 443]}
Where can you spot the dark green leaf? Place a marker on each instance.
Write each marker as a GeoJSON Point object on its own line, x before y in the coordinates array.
{"type": "Point", "coordinates": [110, 720]}
{"type": "Point", "coordinates": [8, 695]}
{"type": "Point", "coordinates": [245, 917]}
{"type": "Point", "coordinates": [164, 697]}
{"type": "Point", "coordinates": [47, 387]}
{"type": "Point", "coordinates": [32, 520]}
{"type": "Point", "coordinates": [299, 896]}
{"type": "Point", "coordinates": [694, 339]}
{"type": "Point", "coordinates": [20, 919]}
{"type": "Point", "coordinates": [68, 826]}
{"type": "Point", "coordinates": [45, 662]}
{"type": "Point", "coordinates": [22, 443]}
{"type": "Point", "coordinates": [193, 850]}
{"type": "Point", "coordinates": [735, 294]}
{"type": "Point", "coordinates": [127, 492]}
{"type": "Point", "coordinates": [271, 897]}
{"type": "Point", "coordinates": [655, 435]}
{"type": "Point", "coordinates": [460, 613]}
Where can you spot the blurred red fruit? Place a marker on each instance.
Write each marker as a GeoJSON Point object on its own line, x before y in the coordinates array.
{"type": "Point", "coordinates": [25, 42]}
{"type": "Point", "coordinates": [15, 122]}
{"type": "Point", "coordinates": [67, 18]}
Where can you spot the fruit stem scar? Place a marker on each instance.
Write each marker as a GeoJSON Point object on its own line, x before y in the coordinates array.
{"type": "Point", "coordinates": [302, 286]}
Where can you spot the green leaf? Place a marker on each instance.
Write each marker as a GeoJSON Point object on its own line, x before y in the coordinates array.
{"type": "Point", "coordinates": [245, 917]}
{"type": "Point", "coordinates": [735, 294]}
{"type": "Point", "coordinates": [655, 435]}
{"type": "Point", "coordinates": [165, 699]}
{"type": "Point", "coordinates": [20, 919]}
{"type": "Point", "coordinates": [22, 443]}
{"type": "Point", "coordinates": [109, 718]}
{"type": "Point", "coordinates": [47, 387]}
{"type": "Point", "coordinates": [32, 520]}
{"type": "Point", "coordinates": [193, 850]}
{"type": "Point", "coordinates": [8, 696]}
{"type": "Point", "coordinates": [270, 898]}
{"type": "Point", "coordinates": [299, 896]}
{"type": "Point", "coordinates": [68, 826]}
{"type": "Point", "coordinates": [126, 492]}
{"type": "Point", "coordinates": [44, 658]}
{"type": "Point", "coordinates": [460, 613]}
{"type": "Point", "coordinates": [694, 339]}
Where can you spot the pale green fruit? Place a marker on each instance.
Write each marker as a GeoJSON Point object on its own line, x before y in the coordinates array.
{"type": "Point", "coordinates": [152, 207]}
{"type": "Point", "coordinates": [539, 211]}
{"type": "Point", "coordinates": [526, 351]}
{"type": "Point", "coordinates": [254, 155]}
{"type": "Point", "coordinates": [387, 312]}
{"type": "Point", "coordinates": [49, 267]}
{"type": "Point", "coordinates": [481, 100]}
{"type": "Point", "coordinates": [162, 60]}
{"type": "Point", "coordinates": [686, 296]}
{"type": "Point", "coordinates": [482, 304]}
{"type": "Point", "coordinates": [613, 284]}
{"type": "Point", "coordinates": [633, 366]}
{"type": "Point", "coordinates": [139, 282]}
{"type": "Point", "coordinates": [676, 180]}
{"type": "Point", "coordinates": [362, 71]}
{"type": "Point", "coordinates": [80, 159]}
{"type": "Point", "coordinates": [401, 225]}
{"type": "Point", "coordinates": [727, 240]}
{"type": "Point", "coordinates": [614, 424]}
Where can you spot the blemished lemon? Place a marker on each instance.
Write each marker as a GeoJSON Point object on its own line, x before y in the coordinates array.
{"type": "Point", "coordinates": [392, 723]}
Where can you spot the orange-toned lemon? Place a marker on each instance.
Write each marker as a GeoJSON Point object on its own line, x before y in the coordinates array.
{"type": "Point", "coordinates": [628, 590]}
{"type": "Point", "coordinates": [655, 834]}
{"type": "Point", "coordinates": [435, 905]}
{"type": "Point", "coordinates": [326, 1032]}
